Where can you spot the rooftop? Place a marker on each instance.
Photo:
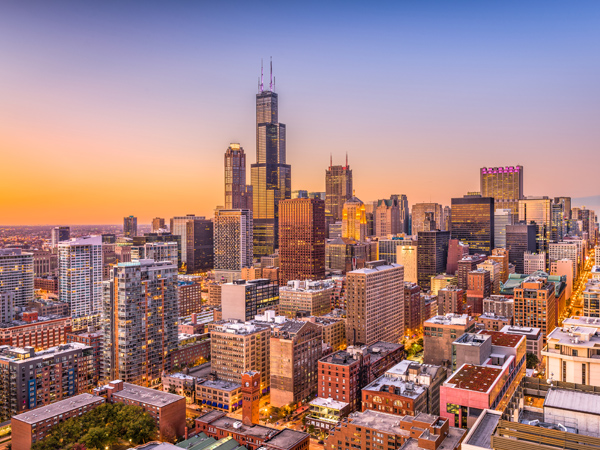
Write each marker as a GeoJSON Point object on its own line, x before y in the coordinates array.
{"type": "Point", "coordinates": [449, 319]}
{"type": "Point", "coordinates": [405, 367]}
{"type": "Point", "coordinates": [220, 384]}
{"type": "Point", "coordinates": [374, 267]}
{"type": "Point", "coordinates": [584, 402]}
{"type": "Point", "coordinates": [474, 378]}
{"type": "Point", "coordinates": [61, 407]}
{"type": "Point", "coordinates": [328, 403]}
{"type": "Point", "coordinates": [481, 433]}
{"type": "Point", "coordinates": [527, 331]}
{"type": "Point", "coordinates": [575, 335]}
{"type": "Point", "coordinates": [287, 438]}
{"type": "Point", "coordinates": [501, 339]}
{"type": "Point", "coordinates": [406, 389]}
{"type": "Point", "coordinates": [145, 395]}
{"type": "Point", "coordinates": [20, 354]}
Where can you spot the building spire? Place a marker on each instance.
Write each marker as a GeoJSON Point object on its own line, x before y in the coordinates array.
{"type": "Point", "coordinates": [261, 75]}
{"type": "Point", "coordinates": [330, 160]}
{"type": "Point", "coordinates": [346, 160]}
{"type": "Point", "coordinates": [271, 78]}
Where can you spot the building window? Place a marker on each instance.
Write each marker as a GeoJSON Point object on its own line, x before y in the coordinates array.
{"type": "Point", "coordinates": [583, 373]}
{"type": "Point", "coordinates": [564, 371]}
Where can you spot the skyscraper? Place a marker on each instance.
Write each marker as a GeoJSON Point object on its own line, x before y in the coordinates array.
{"type": "Point", "coordinates": [58, 234]}
{"type": "Point", "coordinates": [139, 320]}
{"type": "Point", "coordinates": [419, 215]}
{"type": "Point", "coordinates": [504, 185]}
{"type": "Point", "coordinates": [354, 220]}
{"type": "Point", "coordinates": [130, 226]}
{"type": "Point", "coordinates": [196, 241]}
{"type": "Point", "coordinates": [301, 239]}
{"type": "Point", "coordinates": [271, 176]}
{"type": "Point", "coordinates": [539, 211]}
{"type": "Point", "coordinates": [338, 189]}
{"type": "Point", "coordinates": [472, 222]}
{"type": "Point", "coordinates": [375, 303]}
{"type": "Point", "coordinates": [520, 238]}
{"type": "Point", "coordinates": [80, 279]}
{"type": "Point", "coordinates": [502, 218]}
{"type": "Point", "coordinates": [234, 244]}
{"type": "Point", "coordinates": [238, 195]}
{"type": "Point", "coordinates": [158, 223]}
{"type": "Point", "coordinates": [388, 217]}
{"type": "Point", "coordinates": [432, 255]}
{"type": "Point", "coordinates": [16, 276]}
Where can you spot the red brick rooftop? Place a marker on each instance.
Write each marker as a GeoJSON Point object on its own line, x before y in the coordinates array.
{"type": "Point", "coordinates": [503, 339]}
{"type": "Point", "coordinates": [475, 378]}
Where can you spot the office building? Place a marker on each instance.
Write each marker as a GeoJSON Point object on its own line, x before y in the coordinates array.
{"type": "Point", "coordinates": [45, 263]}
{"type": "Point", "coordinates": [233, 239]}
{"type": "Point", "coordinates": [591, 298]}
{"type": "Point", "coordinates": [419, 216]}
{"type": "Point", "coordinates": [16, 275]}
{"type": "Point", "coordinates": [478, 287]}
{"type": "Point", "coordinates": [473, 223]}
{"type": "Point", "coordinates": [493, 268]}
{"type": "Point", "coordinates": [520, 238]}
{"type": "Point", "coordinates": [538, 210]}
{"type": "Point", "coordinates": [295, 351]}
{"type": "Point", "coordinates": [536, 305]}
{"type": "Point", "coordinates": [354, 220]}
{"type": "Point", "coordinates": [237, 348]}
{"type": "Point", "coordinates": [564, 268]}
{"type": "Point", "coordinates": [157, 251]}
{"type": "Point", "coordinates": [130, 226]}
{"type": "Point", "coordinates": [80, 280]}
{"type": "Point", "coordinates": [440, 281]}
{"type": "Point", "coordinates": [59, 234]}
{"type": "Point", "coordinates": [390, 216]}
{"type": "Point", "coordinates": [412, 309]}
{"type": "Point", "coordinates": [196, 234]}
{"type": "Point", "coordinates": [432, 255]}
{"type": "Point", "coordinates": [338, 189]}
{"type": "Point", "coordinates": [158, 225]}
{"type": "Point", "coordinates": [450, 300]}
{"type": "Point", "coordinates": [500, 255]}
{"type": "Point", "coordinates": [31, 379]}
{"type": "Point", "coordinates": [388, 431]}
{"type": "Point", "coordinates": [440, 332]}
{"type": "Point", "coordinates": [502, 218]}
{"type": "Point", "coordinates": [374, 298]}
{"type": "Point", "coordinates": [139, 321]}
{"type": "Point", "coordinates": [533, 262]}
{"type": "Point", "coordinates": [466, 265]}
{"type": "Point", "coordinates": [406, 255]}
{"type": "Point", "coordinates": [499, 305]}
{"type": "Point", "coordinates": [301, 239]}
{"type": "Point", "coordinates": [566, 250]}
{"type": "Point", "coordinates": [333, 330]}
{"type": "Point", "coordinates": [244, 299]}
{"type": "Point", "coordinates": [238, 195]}
{"type": "Point", "coordinates": [300, 297]}
{"type": "Point", "coordinates": [270, 175]}
{"type": "Point", "coordinates": [456, 251]}
{"type": "Point", "coordinates": [504, 185]}
{"type": "Point", "coordinates": [533, 338]}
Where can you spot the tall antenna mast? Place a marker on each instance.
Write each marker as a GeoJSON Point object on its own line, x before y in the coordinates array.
{"type": "Point", "coordinates": [330, 160]}
{"type": "Point", "coordinates": [261, 75]}
{"type": "Point", "coordinates": [271, 79]}
{"type": "Point", "coordinates": [346, 160]}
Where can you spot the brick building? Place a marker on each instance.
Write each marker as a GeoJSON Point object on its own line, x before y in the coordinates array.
{"type": "Point", "coordinates": [333, 331]}
{"type": "Point", "coordinates": [450, 300]}
{"type": "Point", "coordinates": [190, 297]}
{"type": "Point", "coordinates": [40, 333]}
{"type": "Point", "coordinates": [478, 287]}
{"type": "Point", "coordinates": [95, 341]}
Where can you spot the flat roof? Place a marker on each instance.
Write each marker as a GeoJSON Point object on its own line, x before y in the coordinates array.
{"type": "Point", "coordinates": [328, 403]}
{"type": "Point", "coordinates": [147, 395]}
{"type": "Point", "coordinates": [474, 378]}
{"type": "Point", "coordinates": [388, 423]}
{"type": "Point", "coordinates": [406, 389]}
{"type": "Point", "coordinates": [583, 402]}
{"type": "Point", "coordinates": [220, 384]}
{"type": "Point", "coordinates": [61, 407]}
{"type": "Point", "coordinates": [501, 339]}
{"type": "Point", "coordinates": [287, 438]}
{"type": "Point", "coordinates": [448, 319]}
{"type": "Point", "coordinates": [481, 433]}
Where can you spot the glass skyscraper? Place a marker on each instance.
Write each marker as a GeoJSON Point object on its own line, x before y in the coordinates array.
{"type": "Point", "coordinates": [472, 222]}
{"type": "Point", "coordinates": [271, 176]}
{"type": "Point", "coordinates": [237, 194]}
{"type": "Point", "coordinates": [338, 189]}
{"type": "Point", "coordinates": [505, 185]}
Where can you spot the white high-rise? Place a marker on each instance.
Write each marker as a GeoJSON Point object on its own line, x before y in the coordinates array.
{"type": "Point", "coordinates": [234, 239]}
{"type": "Point", "coordinates": [16, 275]}
{"type": "Point", "coordinates": [80, 279]}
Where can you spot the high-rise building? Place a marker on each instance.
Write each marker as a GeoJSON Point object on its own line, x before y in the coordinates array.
{"type": "Point", "coordinates": [238, 195]}
{"type": "Point", "coordinates": [271, 176]}
{"type": "Point", "coordinates": [406, 255]}
{"type": "Point", "coordinates": [301, 239]}
{"type": "Point", "coordinates": [447, 217]}
{"type": "Point", "coordinates": [242, 300]}
{"type": "Point", "coordinates": [533, 262]}
{"type": "Point", "coordinates": [196, 241]}
{"type": "Point", "coordinates": [59, 234]}
{"type": "Point", "coordinates": [354, 220]}
{"type": "Point", "coordinates": [568, 250]}
{"type": "Point", "coordinates": [80, 279]}
{"type": "Point", "coordinates": [432, 255]}
{"type": "Point", "coordinates": [478, 288]}
{"type": "Point", "coordinates": [538, 210]}
{"type": "Point", "coordinates": [130, 226]}
{"type": "Point", "coordinates": [158, 251]}
{"type": "Point", "coordinates": [300, 193]}
{"type": "Point", "coordinates": [296, 348]}
{"type": "Point", "coordinates": [456, 251]}
{"type": "Point", "coordinates": [504, 185]}
{"type": "Point", "coordinates": [388, 220]}
{"type": "Point", "coordinates": [338, 189]}
{"type": "Point", "coordinates": [502, 218]}
{"type": "Point", "coordinates": [16, 275]}
{"type": "Point", "coordinates": [233, 242]}
{"type": "Point", "coordinates": [566, 202]}
{"type": "Point", "coordinates": [374, 298]}
{"type": "Point", "coordinates": [450, 300]}
{"type": "Point", "coordinates": [311, 298]}
{"type": "Point", "coordinates": [473, 223]}
{"type": "Point", "coordinates": [500, 255]}
{"type": "Point", "coordinates": [558, 223]}
{"type": "Point", "coordinates": [536, 305]}
{"type": "Point", "coordinates": [466, 265]}
{"type": "Point", "coordinates": [419, 216]}
{"type": "Point", "coordinates": [412, 309]}
{"type": "Point", "coordinates": [139, 321]}
{"type": "Point", "coordinates": [494, 268]}
{"type": "Point", "coordinates": [520, 238]}
{"type": "Point", "coordinates": [158, 224]}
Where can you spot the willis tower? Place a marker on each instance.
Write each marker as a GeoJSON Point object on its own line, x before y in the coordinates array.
{"type": "Point", "coordinates": [271, 176]}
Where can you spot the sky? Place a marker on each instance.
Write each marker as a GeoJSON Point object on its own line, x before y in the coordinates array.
{"type": "Point", "coordinates": [113, 108]}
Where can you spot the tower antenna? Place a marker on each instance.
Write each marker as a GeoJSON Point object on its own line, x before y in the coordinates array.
{"type": "Point", "coordinates": [330, 160]}
{"type": "Point", "coordinates": [346, 160]}
{"type": "Point", "coordinates": [271, 78]}
{"type": "Point", "coordinates": [261, 75]}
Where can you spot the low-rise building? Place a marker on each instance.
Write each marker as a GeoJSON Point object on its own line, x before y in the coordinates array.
{"type": "Point", "coordinates": [533, 338]}
{"type": "Point", "coordinates": [33, 426]}
{"type": "Point", "coordinates": [375, 430]}
{"type": "Point", "coordinates": [35, 331]}
{"type": "Point", "coordinates": [499, 305]}
{"type": "Point", "coordinates": [591, 298]}
{"type": "Point", "coordinates": [493, 322]}
{"type": "Point", "coordinates": [440, 332]}
{"type": "Point", "coordinates": [191, 350]}
{"type": "Point", "coordinates": [325, 413]}
{"type": "Point", "coordinates": [219, 394]}
{"type": "Point", "coordinates": [168, 410]}
{"type": "Point", "coordinates": [180, 384]}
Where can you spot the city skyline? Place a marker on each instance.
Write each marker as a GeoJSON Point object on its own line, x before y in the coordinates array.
{"type": "Point", "coordinates": [133, 101]}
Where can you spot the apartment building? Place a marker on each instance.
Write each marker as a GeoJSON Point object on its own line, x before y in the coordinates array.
{"type": "Point", "coordinates": [309, 297]}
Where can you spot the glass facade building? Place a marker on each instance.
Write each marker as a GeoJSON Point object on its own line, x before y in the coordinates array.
{"type": "Point", "coordinates": [338, 189]}
{"type": "Point", "coordinates": [271, 176]}
{"type": "Point", "coordinates": [539, 211]}
{"type": "Point", "coordinates": [472, 222]}
{"type": "Point", "coordinates": [502, 218]}
{"type": "Point", "coordinates": [505, 185]}
{"type": "Point", "coordinates": [237, 194]}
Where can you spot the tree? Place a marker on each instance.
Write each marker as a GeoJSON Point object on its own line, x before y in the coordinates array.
{"type": "Point", "coordinates": [96, 437]}
{"type": "Point", "coordinates": [532, 360]}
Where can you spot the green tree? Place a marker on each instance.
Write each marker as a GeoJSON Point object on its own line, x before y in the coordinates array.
{"type": "Point", "coordinates": [532, 360]}
{"type": "Point", "coordinates": [96, 437]}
